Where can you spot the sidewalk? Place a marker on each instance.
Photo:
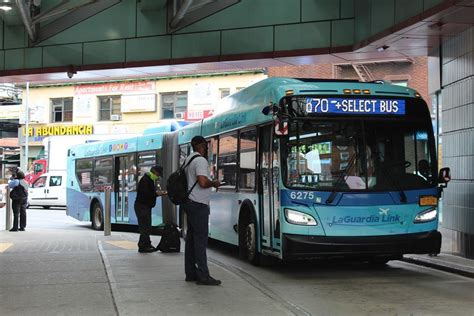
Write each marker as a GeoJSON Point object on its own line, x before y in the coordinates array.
{"type": "Point", "coordinates": [82, 272]}
{"type": "Point", "coordinates": [445, 261]}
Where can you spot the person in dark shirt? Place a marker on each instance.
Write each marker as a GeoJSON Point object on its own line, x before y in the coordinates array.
{"type": "Point", "coordinates": [19, 197]}
{"type": "Point", "coordinates": [145, 201]}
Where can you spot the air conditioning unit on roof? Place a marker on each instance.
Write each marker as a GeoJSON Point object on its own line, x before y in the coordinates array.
{"type": "Point", "coordinates": [115, 117]}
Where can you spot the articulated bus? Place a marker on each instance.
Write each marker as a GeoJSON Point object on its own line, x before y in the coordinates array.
{"type": "Point", "coordinates": [309, 169]}
{"type": "Point", "coordinates": [117, 165]}
{"type": "Point", "coordinates": [317, 168]}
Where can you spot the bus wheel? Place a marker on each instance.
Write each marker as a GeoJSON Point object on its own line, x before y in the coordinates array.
{"type": "Point", "coordinates": [249, 242]}
{"type": "Point", "coordinates": [97, 218]}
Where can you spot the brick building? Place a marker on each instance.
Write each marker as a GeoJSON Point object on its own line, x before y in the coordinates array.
{"type": "Point", "coordinates": [412, 72]}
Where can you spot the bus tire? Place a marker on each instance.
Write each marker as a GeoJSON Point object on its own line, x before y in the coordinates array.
{"type": "Point", "coordinates": [248, 239]}
{"type": "Point", "coordinates": [97, 217]}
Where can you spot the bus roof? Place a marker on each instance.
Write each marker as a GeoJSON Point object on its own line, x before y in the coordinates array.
{"type": "Point", "coordinates": [244, 108]}
{"type": "Point", "coordinates": [118, 146]}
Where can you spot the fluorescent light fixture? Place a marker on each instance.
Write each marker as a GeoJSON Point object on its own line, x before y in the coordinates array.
{"type": "Point", "coordinates": [5, 5]}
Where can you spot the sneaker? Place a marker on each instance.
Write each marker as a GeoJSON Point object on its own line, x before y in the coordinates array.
{"type": "Point", "coordinates": [14, 230]}
{"type": "Point", "coordinates": [146, 250]}
{"type": "Point", "coordinates": [209, 281]}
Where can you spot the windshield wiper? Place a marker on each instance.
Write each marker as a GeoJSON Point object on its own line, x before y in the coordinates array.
{"type": "Point", "coordinates": [341, 177]}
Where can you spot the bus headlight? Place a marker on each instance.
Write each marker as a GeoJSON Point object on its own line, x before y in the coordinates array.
{"type": "Point", "coordinates": [299, 218]}
{"type": "Point", "coordinates": [426, 215]}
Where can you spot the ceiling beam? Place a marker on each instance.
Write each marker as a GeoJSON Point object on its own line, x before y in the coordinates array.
{"type": "Point", "coordinates": [182, 13]}
{"type": "Point", "coordinates": [78, 15]}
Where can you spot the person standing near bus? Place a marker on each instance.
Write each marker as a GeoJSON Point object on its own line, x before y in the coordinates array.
{"type": "Point", "coordinates": [145, 201]}
{"type": "Point", "coordinates": [19, 196]}
{"type": "Point", "coordinates": [197, 212]}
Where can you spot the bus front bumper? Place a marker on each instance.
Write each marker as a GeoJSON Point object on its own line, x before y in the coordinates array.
{"type": "Point", "coordinates": [393, 246]}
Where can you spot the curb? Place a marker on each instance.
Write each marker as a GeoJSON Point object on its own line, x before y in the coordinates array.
{"type": "Point", "coordinates": [440, 265]}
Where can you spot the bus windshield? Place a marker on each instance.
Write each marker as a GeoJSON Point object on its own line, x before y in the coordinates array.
{"type": "Point", "coordinates": [359, 154]}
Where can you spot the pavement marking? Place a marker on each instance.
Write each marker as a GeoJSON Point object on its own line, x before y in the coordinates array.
{"type": "Point", "coordinates": [125, 244]}
{"type": "Point", "coordinates": [4, 246]}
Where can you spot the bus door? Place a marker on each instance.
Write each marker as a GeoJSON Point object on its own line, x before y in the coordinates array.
{"type": "Point", "coordinates": [268, 185]}
{"type": "Point", "coordinates": [125, 183]}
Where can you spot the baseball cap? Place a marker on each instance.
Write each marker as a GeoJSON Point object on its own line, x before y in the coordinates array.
{"type": "Point", "coordinates": [197, 140]}
{"type": "Point", "coordinates": [157, 169]}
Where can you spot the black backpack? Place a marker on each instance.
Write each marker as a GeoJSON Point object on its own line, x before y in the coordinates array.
{"type": "Point", "coordinates": [177, 184]}
{"type": "Point", "coordinates": [170, 241]}
{"type": "Point", "coordinates": [19, 192]}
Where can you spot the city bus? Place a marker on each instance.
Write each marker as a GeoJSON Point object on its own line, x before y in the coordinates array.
{"type": "Point", "coordinates": [118, 165]}
{"type": "Point", "coordinates": [323, 169]}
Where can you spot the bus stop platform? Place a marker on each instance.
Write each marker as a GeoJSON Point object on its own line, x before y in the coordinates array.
{"type": "Point", "coordinates": [445, 261]}
{"type": "Point", "coordinates": [82, 272]}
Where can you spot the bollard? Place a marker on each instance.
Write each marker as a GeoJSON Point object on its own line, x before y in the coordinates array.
{"type": "Point", "coordinates": [107, 213]}
{"type": "Point", "coordinates": [8, 211]}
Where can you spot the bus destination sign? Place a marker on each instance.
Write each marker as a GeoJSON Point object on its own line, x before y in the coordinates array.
{"type": "Point", "coordinates": [355, 106]}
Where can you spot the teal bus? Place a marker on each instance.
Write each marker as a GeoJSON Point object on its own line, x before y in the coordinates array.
{"type": "Point", "coordinates": [118, 165]}
{"type": "Point", "coordinates": [322, 169]}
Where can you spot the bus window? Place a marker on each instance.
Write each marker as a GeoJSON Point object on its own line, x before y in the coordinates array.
{"type": "Point", "coordinates": [212, 152]}
{"type": "Point", "coordinates": [84, 174]}
{"type": "Point", "coordinates": [248, 147]}
{"type": "Point", "coordinates": [145, 161]}
{"type": "Point", "coordinates": [227, 160]}
{"type": "Point", "coordinates": [103, 174]}
{"type": "Point", "coordinates": [183, 153]}
{"type": "Point", "coordinates": [41, 182]}
{"type": "Point", "coordinates": [131, 174]}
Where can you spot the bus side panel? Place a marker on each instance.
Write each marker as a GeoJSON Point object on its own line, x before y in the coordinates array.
{"type": "Point", "coordinates": [80, 209]}
{"type": "Point", "coordinates": [156, 213]}
{"type": "Point", "coordinates": [224, 215]}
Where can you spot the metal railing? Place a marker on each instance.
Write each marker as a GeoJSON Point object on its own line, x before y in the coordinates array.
{"type": "Point", "coordinates": [107, 212]}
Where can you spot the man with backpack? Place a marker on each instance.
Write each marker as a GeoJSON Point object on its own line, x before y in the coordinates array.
{"type": "Point", "coordinates": [145, 201]}
{"type": "Point", "coordinates": [197, 212]}
{"type": "Point", "coordinates": [19, 196]}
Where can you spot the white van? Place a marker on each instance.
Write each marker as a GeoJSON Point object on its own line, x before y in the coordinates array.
{"type": "Point", "coordinates": [48, 190]}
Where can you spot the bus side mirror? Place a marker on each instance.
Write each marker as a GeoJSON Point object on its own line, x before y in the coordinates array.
{"type": "Point", "coordinates": [444, 177]}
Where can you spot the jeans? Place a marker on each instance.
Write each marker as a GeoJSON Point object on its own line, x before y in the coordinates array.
{"type": "Point", "coordinates": [19, 209]}
{"type": "Point", "coordinates": [195, 258]}
{"type": "Point", "coordinates": [143, 213]}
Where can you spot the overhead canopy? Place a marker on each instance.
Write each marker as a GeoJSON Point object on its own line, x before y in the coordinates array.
{"type": "Point", "coordinates": [86, 40]}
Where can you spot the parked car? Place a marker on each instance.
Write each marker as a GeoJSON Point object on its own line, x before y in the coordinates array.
{"type": "Point", "coordinates": [48, 190]}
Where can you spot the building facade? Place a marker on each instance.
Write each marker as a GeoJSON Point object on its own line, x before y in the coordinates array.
{"type": "Point", "coordinates": [454, 90]}
{"type": "Point", "coordinates": [122, 108]}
